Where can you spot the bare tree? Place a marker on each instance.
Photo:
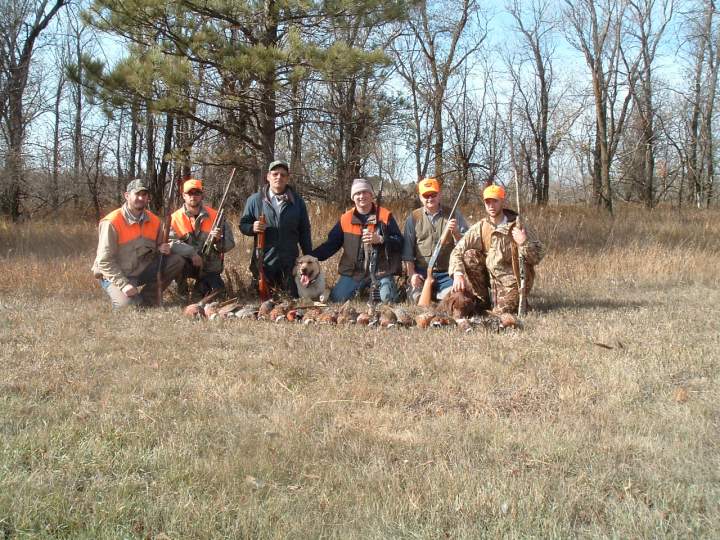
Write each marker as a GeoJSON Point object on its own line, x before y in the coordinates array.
{"type": "Point", "coordinates": [536, 96]}
{"type": "Point", "coordinates": [21, 24]}
{"type": "Point", "coordinates": [648, 20]}
{"type": "Point", "coordinates": [444, 36]}
{"type": "Point", "coordinates": [597, 31]}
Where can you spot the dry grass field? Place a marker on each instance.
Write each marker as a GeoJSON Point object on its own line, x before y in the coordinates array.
{"type": "Point", "coordinates": [601, 418]}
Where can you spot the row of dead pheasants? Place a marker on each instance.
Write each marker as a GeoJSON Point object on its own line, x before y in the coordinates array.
{"type": "Point", "coordinates": [384, 315]}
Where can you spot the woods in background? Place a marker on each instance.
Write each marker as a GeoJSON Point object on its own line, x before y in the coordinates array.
{"type": "Point", "coordinates": [593, 101]}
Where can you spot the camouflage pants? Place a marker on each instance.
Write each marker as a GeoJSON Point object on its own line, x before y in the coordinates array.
{"type": "Point", "coordinates": [502, 290]}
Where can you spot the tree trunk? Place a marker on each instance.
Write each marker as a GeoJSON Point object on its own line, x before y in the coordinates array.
{"type": "Point", "coordinates": [134, 114]}
{"type": "Point", "coordinates": [167, 149]}
{"type": "Point", "coordinates": [55, 179]}
{"type": "Point", "coordinates": [151, 171]}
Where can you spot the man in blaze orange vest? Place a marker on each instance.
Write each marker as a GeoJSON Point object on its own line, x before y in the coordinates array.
{"type": "Point", "coordinates": [352, 234]}
{"type": "Point", "coordinates": [128, 253]}
{"type": "Point", "coordinates": [192, 225]}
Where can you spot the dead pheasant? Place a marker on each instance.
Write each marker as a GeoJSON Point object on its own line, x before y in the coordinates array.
{"type": "Point", "coordinates": [247, 312]}
{"type": "Point", "coordinates": [423, 320]}
{"type": "Point", "coordinates": [387, 317]}
{"type": "Point", "coordinates": [311, 315]}
{"type": "Point", "coordinates": [279, 312]}
{"type": "Point", "coordinates": [363, 319]}
{"type": "Point", "coordinates": [442, 319]}
{"type": "Point", "coordinates": [197, 310]}
{"type": "Point", "coordinates": [329, 316]}
{"type": "Point", "coordinates": [227, 309]}
{"type": "Point", "coordinates": [211, 310]}
{"type": "Point", "coordinates": [404, 318]}
{"type": "Point", "coordinates": [508, 320]}
{"type": "Point", "coordinates": [265, 308]}
{"type": "Point", "coordinates": [348, 314]}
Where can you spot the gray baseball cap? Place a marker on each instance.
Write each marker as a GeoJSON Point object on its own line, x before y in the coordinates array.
{"type": "Point", "coordinates": [137, 185]}
{"type": "Point", "coordinates": [279, 163]}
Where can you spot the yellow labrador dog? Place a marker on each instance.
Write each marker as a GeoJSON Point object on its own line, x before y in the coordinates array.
{"type": "Point", "coordinates": [310, 279]}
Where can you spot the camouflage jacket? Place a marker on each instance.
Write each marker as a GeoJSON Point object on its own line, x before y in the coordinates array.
{"type": "Point", "coordinates": [498, 254]}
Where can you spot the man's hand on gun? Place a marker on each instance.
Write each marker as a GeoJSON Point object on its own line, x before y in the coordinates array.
{"type": "Point", "coordinates": [164, 248]}
{"type": "Point", "coordinates": [458, 282]}
{"type": "Point", "coordinates": [197, 261]}
{"type": "Point", "coordinates": [453, 229]}
{"type": "Point", "coordinates": [215, 234]}
{"type": "Point", "coordinates": [416, 281]}
{"type": "Point", "coordinates": [259, 226]}
{"type": "Point", "coordinates": [372, 238]}
{"type": "Point", "coordinates": [519, 235]}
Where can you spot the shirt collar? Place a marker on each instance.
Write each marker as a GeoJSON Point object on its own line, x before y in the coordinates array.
{"type": "Point", "coordinates": [270, 196]}
{"type": "Point", "coordinates": [130, 218]}
{"type": "Point", "coordinates": [202, 212]}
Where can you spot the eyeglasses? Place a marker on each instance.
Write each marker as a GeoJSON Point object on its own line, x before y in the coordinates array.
{"type": "Point", "coordinates": [194, 193]}
{"type": "Point", "coordinates": [430, 195]}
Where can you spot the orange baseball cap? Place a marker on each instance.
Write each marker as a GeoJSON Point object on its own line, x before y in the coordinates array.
{"type": "Point", "coordinates": [494, 192]}
{"type": "Point", "coordinates": [192, 184]}
{"type": "Point", "coordinates": [428, 185]}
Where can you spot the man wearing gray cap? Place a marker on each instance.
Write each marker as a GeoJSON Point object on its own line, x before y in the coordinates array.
{"type": "Point", "coordinates": [286, 225]}
{"type": "Point", "coordinates": [128, 253]}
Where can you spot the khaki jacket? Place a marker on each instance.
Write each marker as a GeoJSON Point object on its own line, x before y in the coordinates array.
{"type": "Point", "coordinates": [126, 245]}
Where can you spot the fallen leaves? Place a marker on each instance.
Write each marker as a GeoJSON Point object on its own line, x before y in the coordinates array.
{"type": "Point", "coordinates": [680, 395]}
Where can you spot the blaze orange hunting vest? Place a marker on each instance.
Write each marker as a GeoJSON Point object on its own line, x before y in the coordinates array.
{"type": "Point", "coordinates": [128, 232]}
{"type": "Point", "coordinates": [388, 263]}
{"type": "Point", "coordinates": [183, 224]}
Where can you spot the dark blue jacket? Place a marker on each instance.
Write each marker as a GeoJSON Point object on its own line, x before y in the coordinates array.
{"type": "Point", "coordinates": [283, 233]}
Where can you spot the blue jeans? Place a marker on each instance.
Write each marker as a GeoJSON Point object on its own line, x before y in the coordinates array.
{"type": "Point", "coordinates": [172, 266]}
{"type": "Point", "coordinates": [346, 287]}
{"type": "Point", "coordinates": [205, 282]}
{"type": "Point", "coordinates": [443, 280]}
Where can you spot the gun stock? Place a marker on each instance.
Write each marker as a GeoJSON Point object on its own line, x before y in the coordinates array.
{"type": "Point", "coordinates": [426, 294]}
{"type": "Point", "coordinates": [163, 239]}
{"type": "Point", "coordinates": [521, 258]}
{"type": "Point", "coordinates": [263, 288]}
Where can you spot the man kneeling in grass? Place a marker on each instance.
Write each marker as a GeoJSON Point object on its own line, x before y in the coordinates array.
{"type": "Point", "coordinates": [128, 254]}
{"type": "Point", "coordinates": [488, 255]}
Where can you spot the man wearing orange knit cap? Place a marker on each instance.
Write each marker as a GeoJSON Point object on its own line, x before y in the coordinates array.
{"type": "Point", "coordinates": [483, 263]}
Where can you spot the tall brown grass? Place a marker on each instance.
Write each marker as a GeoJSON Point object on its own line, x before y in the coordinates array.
{"type": "Point", "coordinates": [600, 418]}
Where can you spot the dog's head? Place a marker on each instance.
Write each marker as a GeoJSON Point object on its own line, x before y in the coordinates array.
{"type": "Point", "coordinates": [460, 304]}
{"type": "Point", "coordinates": [307, 268]}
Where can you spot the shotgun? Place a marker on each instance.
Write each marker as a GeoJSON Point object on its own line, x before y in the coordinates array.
{"type": "Point", "coordinates": [426, 295]}
{"type": "Point", "coordinates": [520, 256]}
{"type": "Point", "coordinates": [372, 252]}
{"type": "Point", "coordinates": [218, 221]}
{"type": "Point", "coordinates": [163, 239]}
{"type": "Point", "coordinates": [263, 288]}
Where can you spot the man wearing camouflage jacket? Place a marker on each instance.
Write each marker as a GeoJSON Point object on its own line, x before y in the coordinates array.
{"type": "Point", "coordinates": [483, 259]}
